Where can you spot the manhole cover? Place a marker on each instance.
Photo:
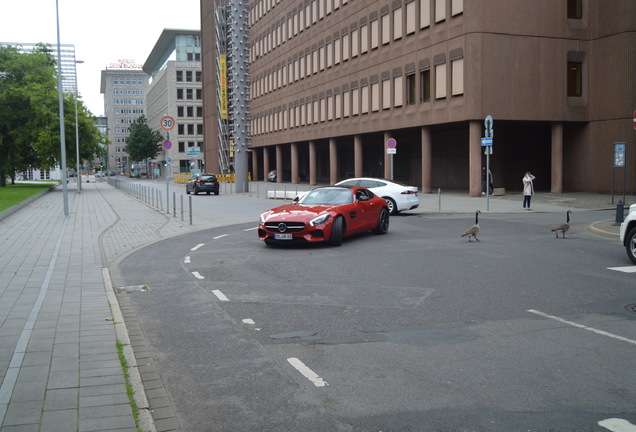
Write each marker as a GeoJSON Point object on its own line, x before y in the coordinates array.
{"type": "Point", "coordinates": [631, 308]}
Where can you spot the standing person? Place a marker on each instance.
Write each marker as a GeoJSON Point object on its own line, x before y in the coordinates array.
{"type": "Point", "coordinates": [528, 190]}
{"type": "Point", "coordinates": [486, 178]}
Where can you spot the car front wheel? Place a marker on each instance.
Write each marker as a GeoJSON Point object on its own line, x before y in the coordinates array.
{"type": "Point", "coordinates": [630, 245]}
{"type": "Point", "coordinates": [383, 223]}
{"type": "Point", "coordinates": [392, 205]}
{"type": "Point", "coordinates": [337, 232]}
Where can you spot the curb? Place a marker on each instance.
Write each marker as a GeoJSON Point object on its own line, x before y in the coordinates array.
{"type": "Point", "coordinates": [11, 210]}
{"type": "Point", "coordinates": [604, 233]}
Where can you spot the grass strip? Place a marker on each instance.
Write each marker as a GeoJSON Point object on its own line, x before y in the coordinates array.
{"type": "Point", "coordinates": [129, 387]}
{"type": "Point", "coordinates": [12, 195]}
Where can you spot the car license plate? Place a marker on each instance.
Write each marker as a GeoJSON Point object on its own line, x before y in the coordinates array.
{"type": "Point", "coordinates": [283, 236]}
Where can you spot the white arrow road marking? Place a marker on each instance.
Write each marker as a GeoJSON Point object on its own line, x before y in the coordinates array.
{"type": "Point", "coordinates": [186, 260]}
{"type": "Point", "coordinates": [581, 326]}
{"type": "Point", "coordinates": [197, 246]}
{"type": "Point", "coordinates": [220, 295]}
{"type": "Point", "coordinates": [628, 269]}
{"type": "Point", "coordinates": [197, 275]}
{"type": "Point", "coordinates": [248, 321]}
{"type": "Point", "coordinates": [306, 372]}
{"type": "Point", "coordinates": [617, 425]}
{"type": "Point", "coordinates": [218, 237]}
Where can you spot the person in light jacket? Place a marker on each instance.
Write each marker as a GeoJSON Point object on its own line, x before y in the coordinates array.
{"type": "Point", "coordinates": [528, 190]}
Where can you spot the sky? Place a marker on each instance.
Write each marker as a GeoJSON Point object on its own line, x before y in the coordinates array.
{"type": "Point", "coordinates": [102, 32]}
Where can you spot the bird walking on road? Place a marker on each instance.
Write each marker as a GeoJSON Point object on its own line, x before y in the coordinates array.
{"type": "Point", "coordinates": [563, 227]}
{"type": "Point", "coordinates": [474, 229]}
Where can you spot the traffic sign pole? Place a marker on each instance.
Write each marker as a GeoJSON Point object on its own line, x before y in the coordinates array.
{"type": "Point", "coordinates": [488, 133]}
{"type": "Point", "coordinates": [167, 124]}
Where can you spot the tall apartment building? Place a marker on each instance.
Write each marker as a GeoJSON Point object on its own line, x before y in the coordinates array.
{"type": "Point", "coordinates": [124, 86]}
{"type": "Point", "coordinates": [174, 65]}
{"type": "Point", "coordinates": [333, 80]}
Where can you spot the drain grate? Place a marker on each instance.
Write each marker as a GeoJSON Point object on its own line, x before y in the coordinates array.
{"type": "Point", "coordinates": [631, 308]}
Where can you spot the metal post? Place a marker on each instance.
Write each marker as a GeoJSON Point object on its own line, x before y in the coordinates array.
{"type": "Point", "coordinates": [61, 111]}
{"type": "Point", "coordinates": [174, 204]}
{"type": "Point", "coordinates": [439, 199]}
{"type": "Point", "coordinates": [190, 200]}
{"type": "Point", "coordinates": [182, 207]}
{"type": "Point", "coordinates": [167, 178]}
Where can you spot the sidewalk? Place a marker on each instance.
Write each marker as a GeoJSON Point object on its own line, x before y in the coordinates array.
{"type": "Point", "coordinates": [60, 318]}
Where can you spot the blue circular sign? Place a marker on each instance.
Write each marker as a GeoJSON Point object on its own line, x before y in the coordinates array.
{"type": "Point", "coordinates": [391, 143]}
{"type": "Point", "coordinates": [167, 144]}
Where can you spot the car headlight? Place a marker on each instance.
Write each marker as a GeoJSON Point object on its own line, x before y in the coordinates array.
{"type": "Point", "coordinates": [319, 220]}
{"type": "Point", "coordinates": [261, 219]}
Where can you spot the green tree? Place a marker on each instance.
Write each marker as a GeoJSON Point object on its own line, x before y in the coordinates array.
{"type": "Point", "coordinates": [29, 115]}
{"type": "Point", "coordinates": [142, 142]}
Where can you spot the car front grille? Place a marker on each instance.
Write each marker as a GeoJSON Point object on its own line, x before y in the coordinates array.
{"type": "Point", "coordinates": [285, 227]}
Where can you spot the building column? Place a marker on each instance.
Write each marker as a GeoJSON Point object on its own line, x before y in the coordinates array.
{"type": "Point", "coordinates": [254, 165]}
{"type": "Point", "coordinates": [556, 173]}
{"type": "Point", "coordinates": [387, 158]}
{"type": "Point", "coordinates": [474, 158]}
{"type": "Point", "coordinates": [427, 160]}
{"type": "Point", "coordinates": [358, 168]}
{"type": "Point", "coordinates": [294, 163]}
{"type": "Point", "coordinates": [279, 164]}
{"type": "Point", "coordinates": [333, 161]}
{"type": "Point", "coordinates": [312, 163]}
{"type": "Point", "coordinates": [265, 163]}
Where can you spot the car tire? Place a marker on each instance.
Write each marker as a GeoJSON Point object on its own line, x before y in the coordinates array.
{"type": "Point", "coordinates": [630, 245]}
{"type": "Point", "coordinates": [216, 192]}
{"type": "Point", "coordinates": [207, 193]}
{"type": "Point", "coordinates": [383, 223]}
{"type": "Point", "coordinates": [392, 205]}
{"type": "Point", "coordinates": [195, 190]}
{"type": "Point", "coordinates": [337, 231]}
{"type": "Point", "coordinates": [187, 191]}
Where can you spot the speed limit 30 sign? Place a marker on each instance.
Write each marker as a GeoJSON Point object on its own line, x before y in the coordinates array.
{"type": "Point", "coordinates": [167, 123]}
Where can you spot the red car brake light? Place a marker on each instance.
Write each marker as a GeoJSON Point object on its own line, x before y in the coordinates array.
{"type": "Point", "coordinates": [408, 192]}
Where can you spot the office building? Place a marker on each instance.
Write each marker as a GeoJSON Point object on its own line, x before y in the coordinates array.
{"type": "Point", "coordinates": [333, 81]}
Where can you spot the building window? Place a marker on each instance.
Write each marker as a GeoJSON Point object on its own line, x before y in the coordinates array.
{"type": "Point", "coordinates": [440, 10]}
{"type": "Point", "coordinates": [397, 23]}
{"type": "Point", "coordinates": [457, 71]}
{"type": "Point", "coordinates": [355, 101]}
{"type": "Point", "coordinates": [375, 35]}
{"type": "Point", "coordinates": [199, 111]}
{"type": "Point", "coordinates": [440, 81]}
{"type": "Point", "coordinates": [410, 18]}
{"type": "Point", "coordinates": [375, 97]}
{"type": "Point", "coordinates": [364, 39]}
{"type": "Point", "coordinates": [189, 76]}
{"type": "Point", "coordinates": [181, 146]}
{"type": "Point", "coordinates": [386, 94]}
{"type": "Point", "coordinates": [425, 85]}
{"type": "Point", "coordinates": [179, 111]}
{"type": "Point", "coordinates": [180, 129]}
{"type": "Point", "coordinates": [180, 94]}
{"type": "Point", "coordinates": [575, 79]}
{"type": "Point", "coordinates": [397, 91]}
{"type": "Point", "coordinates": [457, 7]}
{"type": "Point", "coordinates": [190, 111]}
{"type": "Point", "coordinates": [410, 89]}
{"type": "Point", "coordinates": [575, 9]}
{"type": "Point", "coordinates": [179, 76]}
{"type": "Point", "coordinates": [197, 76]}
{"type": "Point", "coordinates": [199, 129]}
{"type": "Point", "coordinates": [386, 29]}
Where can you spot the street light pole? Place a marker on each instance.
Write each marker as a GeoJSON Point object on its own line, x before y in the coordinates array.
{"type": "Point", "coordinates": [77, 155]}
{"type": "Point", "coordinates": [61, 110]}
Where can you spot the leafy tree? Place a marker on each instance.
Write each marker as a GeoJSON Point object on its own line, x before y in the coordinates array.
{"type": "Point", "coordinates": [29, 115]}
{"type": "Point", "coordinates": [143, 142]}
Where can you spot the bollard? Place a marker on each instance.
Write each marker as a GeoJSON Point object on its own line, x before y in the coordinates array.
{"type": "Point", "coordinates": [174, 204]}
{"type": "Point", "coordinates": [620, 207]}
{"type": "Point", "coordinates": [439, 199]}
{"type": "Point", "coordinates": [190, 204]}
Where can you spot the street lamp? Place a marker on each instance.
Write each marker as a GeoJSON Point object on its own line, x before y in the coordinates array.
{"type": "Point", "coordinates": [61, 110]}
{"type": "Point", "coordinates": [77, 155]}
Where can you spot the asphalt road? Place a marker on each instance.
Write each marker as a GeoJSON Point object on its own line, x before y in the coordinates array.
{"type": "Point", "coordinates": [417, 330]}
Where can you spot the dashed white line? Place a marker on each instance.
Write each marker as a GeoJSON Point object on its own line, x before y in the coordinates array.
{"type": "Point", "coordinates": [581, 326]}
{"type": "Point", "coordinates": [248, 321]}
{"type": "Point", "coordinates": [306, 372]}
{"type": "Point", "coordinates": [186, 260]}
{"type": "Point", "coordinates": [617, 425]}
{"type": "Point", "coordinates": [197, 275]}
{"type": "Point", "coordinates": [197, 246]}
{"type": "Point", "coordinates": [218, 237]}
{"type": "Point", "coordinates": [220, 295]}
{"type": "Point", "coordinates": [251, 229]}
{"type": "Point", "coordinates": [628, 269]}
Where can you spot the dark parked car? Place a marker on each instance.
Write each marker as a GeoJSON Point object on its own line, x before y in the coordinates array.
{"type": "Point", "coordinates": [203, 183]}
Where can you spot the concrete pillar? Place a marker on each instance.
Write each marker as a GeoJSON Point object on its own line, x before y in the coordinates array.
{"type": "Point", "coordinates": [333, 161]}
{"type": "Point", "coordinates": [255, 172]}
{"type": "Point", "coordinates": [387, 157]}
{"type": "Point", "coordinates": [474, 158]}
{"type": "Point", "coordinates": [427, 160]}
{"type": "Point", "coordinates": [279, 164]}
{"type": "Point", "coordinates": [294, 163]}
{"type": "Point", "coordinates": [265, 162]}
{"type": "Point", "coordinates": [313, 175]}
{"type": "Point", "coordinates": [556, 174]}
{"type": "Point", "coordinates": [358, 168]}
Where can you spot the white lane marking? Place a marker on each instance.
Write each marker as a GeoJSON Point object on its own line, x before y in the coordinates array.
{"type": "Point", "coordinates": [186, 260]}
{"type": "Point", "coordinates": [581, 326]}
{"type": "Point", "coordinates": [218, 237]}
{"type": "Point", "coordinates": [617, 425]}
{"type": "Point", "coordinates": [627, 269]}
{"type": "Point", "coordinates": [197, 275]}
{"type": "Point", "coordinates": [306, 372]}
{"type": "Point", "coordinates": [220, 295]}
{"type": "Point", "coordinates": [251, 229]}
{"type": "Point", "coordinates": [197, 246]}
{"type": "Point", "coordinates": [248, 321]}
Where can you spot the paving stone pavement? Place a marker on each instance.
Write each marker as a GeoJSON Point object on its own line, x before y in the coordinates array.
{"type": "Point", "coordinates": [60, 318]}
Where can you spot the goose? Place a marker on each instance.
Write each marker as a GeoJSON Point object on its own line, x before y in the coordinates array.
{"type": "Point", "coordinates": [473, 230]}
{"type": "Point", "coordinates": [563, 227]}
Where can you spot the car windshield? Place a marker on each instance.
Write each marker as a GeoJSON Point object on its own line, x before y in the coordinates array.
{"type": "Point", "coordinates": [328, 196]}
{"type": "Point", "coordinates": [206, 178]}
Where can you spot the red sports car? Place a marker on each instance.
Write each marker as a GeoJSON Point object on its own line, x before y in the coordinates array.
{"type": "Point", "coordinates": [325, 214]}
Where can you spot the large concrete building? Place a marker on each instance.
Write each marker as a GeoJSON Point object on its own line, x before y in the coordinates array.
{"type": "Point", "coordinates": [174, 66]}
{"type": "Point", "coordinates": [124, 86]}
{"type": "Point", "coordinates": [333, 80]}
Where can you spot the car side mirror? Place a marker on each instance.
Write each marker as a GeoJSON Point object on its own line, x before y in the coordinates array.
{"type": "Point", "coordinates": [296, 199]}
